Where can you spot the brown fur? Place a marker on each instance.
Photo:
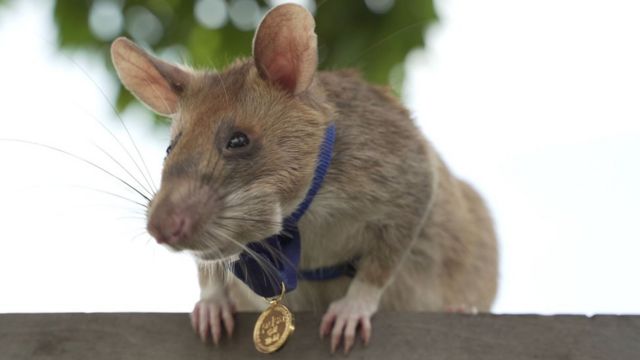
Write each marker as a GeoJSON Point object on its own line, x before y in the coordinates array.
{"type": "Point", "coordinates": [391, 200]}
{"type": "Point", "coordinates": [387, 198]}
{"type": "Point", "coordinates": [425, 239]}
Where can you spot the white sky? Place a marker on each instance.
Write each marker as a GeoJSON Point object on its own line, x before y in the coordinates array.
{"type": "Point", "coordinates": [536, 103]}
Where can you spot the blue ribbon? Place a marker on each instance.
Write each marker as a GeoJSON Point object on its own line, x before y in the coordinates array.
{"type": "Point", "coordinates": [280, 254]}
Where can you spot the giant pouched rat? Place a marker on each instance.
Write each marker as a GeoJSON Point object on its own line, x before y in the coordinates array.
{"type": "Point", "coordinates": [242, 157]}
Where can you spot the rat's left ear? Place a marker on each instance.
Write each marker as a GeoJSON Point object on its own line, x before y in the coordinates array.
{"type": "Point", "coordinates": [285, 48]}
{"type": "Point", "coordinates": [156, 83]}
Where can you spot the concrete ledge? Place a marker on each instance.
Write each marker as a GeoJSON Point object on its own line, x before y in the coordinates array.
{"type": "Point", "coordinates": [395, 336]}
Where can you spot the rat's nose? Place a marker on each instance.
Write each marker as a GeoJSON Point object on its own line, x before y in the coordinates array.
{"type": "Point", "coordinates": [169, 229]}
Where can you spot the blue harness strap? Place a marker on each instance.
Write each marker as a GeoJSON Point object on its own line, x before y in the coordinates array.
{"type": "Point", "coordinates": [280, 254]}
{"type": "Point", "coordinates": [329, 272]}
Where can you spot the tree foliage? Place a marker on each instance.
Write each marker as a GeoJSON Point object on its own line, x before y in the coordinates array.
{"type": "Point", "coordinates": [374, 36]}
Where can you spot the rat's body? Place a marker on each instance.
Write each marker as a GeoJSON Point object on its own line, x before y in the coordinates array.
{"type": "Point", "coordinates": [383, 173]}
{"type": "Point", "coordinates": [243, 154]}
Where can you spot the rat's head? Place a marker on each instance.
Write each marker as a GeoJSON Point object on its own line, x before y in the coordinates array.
{"type": "Point", "coordinates": [243, 141]}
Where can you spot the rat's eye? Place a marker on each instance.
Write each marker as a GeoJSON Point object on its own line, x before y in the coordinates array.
{"type": "Point", "coordinates": [238, 140]}
{"type": "Point", "coordinates": [172, 144]}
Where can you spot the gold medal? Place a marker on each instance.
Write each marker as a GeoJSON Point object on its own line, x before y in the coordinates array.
{"type": "Point", "coordinates": [273, 326]}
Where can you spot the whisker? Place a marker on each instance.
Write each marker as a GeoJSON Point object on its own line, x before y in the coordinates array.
{"type": "Point", "coordinates": [124, 126]}
{"type": "Point", "coordinates": [123, 168]}
{"type": "Point", "coordinates": [247, 219]}
{"type": "Point", "coordinates": [268, 269]}
{"type": "Point", "coordinates": [386, 38]}
{"type": "Point", "coordinates": [137, 218]}
{"type": "Point", "coordinates": [265, 264]}
{"type": "Point", "coordinates": [65, 152]}
{"type": "Point", "coordinates": [224, 88]}
{"type": "Point", "coordinates": [126, 151]}
{"type": "Point", "coordinates": [320, 4]}
{"type": "Point", "coordinates": [275, 253]}
{"type": "Point", "coordinates": [140, 234]}
{"type": "Point", "coordinates": [110, 193]}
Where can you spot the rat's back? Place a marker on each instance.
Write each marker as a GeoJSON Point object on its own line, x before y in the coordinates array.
{"type": "Point", "coordinates": [388, 188]}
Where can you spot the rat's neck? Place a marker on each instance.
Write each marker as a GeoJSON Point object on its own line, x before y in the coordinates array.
{"type": "Point", "coordinates": [266, 281]}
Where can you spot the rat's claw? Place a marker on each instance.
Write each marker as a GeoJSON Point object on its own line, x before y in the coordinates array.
{"type": "Point", "coordinates": [202, 324]}
{"type": "Point", "coordinates": [227, 318]}
{"type": "Point", "coordinates": [208, 317]}
{"type": "Point", "coordinates": [327, 321]}
{"type": "Point", "coordinates": [336, 333]}
{"type": "Point", "coordinates": [195, 317]}
{"type": "Point", "coordinates": [365, 330]}
{"type": "Point", "coordinates": [343, 319]}
{"type": "Point", "coordinates": [350, 333]}
{"type": "Point", "coordinates": [214, 324]}
{"type": "Point", "coordinates": [461, 309]}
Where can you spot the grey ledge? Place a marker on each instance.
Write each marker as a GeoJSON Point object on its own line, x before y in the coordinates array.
{"type": "Point", "coordinates": [403, 336]}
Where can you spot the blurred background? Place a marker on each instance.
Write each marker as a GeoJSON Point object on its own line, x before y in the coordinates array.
{"type": "Point", "coordinates": [535, 103]}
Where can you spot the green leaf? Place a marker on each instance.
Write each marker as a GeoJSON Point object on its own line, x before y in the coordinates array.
{"type": "Point", "coordinates": [350, 35]}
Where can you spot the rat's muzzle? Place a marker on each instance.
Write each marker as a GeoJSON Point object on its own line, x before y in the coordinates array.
{"type": "Point", "coordinates": [178, 212]}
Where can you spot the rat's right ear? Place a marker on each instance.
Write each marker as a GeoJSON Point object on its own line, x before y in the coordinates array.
{"type": "Point", "coordinates": [154, 82]}
{"type": "Point", "coordinates": [285, 48]}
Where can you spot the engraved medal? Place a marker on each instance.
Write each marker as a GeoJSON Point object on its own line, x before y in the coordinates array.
{"type": "Point", "coordinates": [273, 326]}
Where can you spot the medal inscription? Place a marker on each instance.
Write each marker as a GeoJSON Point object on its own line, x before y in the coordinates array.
{"type": "Point", "coordinates": [273, 327]}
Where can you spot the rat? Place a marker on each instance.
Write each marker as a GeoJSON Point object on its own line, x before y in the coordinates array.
{"type": "Point", "coordinates": [244, 144]}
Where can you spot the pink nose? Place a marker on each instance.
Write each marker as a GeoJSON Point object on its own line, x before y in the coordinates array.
{"type": "Point", "coordinates": [170, 229]}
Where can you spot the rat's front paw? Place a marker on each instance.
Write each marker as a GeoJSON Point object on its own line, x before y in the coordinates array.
{"type": "Point", "coordinates": [344, 317]}
{"type": "Point", "coordinates": [209, 315]}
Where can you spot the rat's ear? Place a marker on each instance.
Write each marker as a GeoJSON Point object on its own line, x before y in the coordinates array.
{"type": "Point", "coordinates": [154, 82]}
{"type": "Point", "coordinates": [285, 48]}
